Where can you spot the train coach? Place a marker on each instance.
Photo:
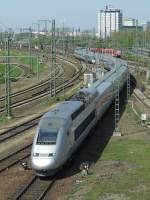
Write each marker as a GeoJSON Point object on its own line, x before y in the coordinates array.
{"type": "Point", "coordinates": [107, 51]}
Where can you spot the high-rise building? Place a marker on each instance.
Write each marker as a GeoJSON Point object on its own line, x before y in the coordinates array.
{"type": "Point", "coordinates": [109, 20]}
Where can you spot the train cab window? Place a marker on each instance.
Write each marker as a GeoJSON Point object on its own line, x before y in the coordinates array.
{"type": "Point", "coordinates": [48, 130]}
{"type": "Point", "coordinates": [47, 136]}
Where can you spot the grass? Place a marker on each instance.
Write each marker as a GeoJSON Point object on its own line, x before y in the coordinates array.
{"type": "Point", "coordinates": [26, 60]}
{"type": "Point", "coordinates": [128, 183]}
{"type": "Point", "coordinates": [130, 111]}
{"type": "Point", "coordinates": [65, 97]}
{"type": "Point", "coordinates": [3, 119]}
{"type": "Point", "coordinates": [14, 73]}
{"type": "Point", "coordinates": [54, 100]}
{"type": "Point", "coordinates": [135, 152]}
{"type": "Point", "coordinates": [132, 57]}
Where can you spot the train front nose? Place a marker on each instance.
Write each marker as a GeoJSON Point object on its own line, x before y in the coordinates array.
{"type": "Point", "coordinates": [44, 166]}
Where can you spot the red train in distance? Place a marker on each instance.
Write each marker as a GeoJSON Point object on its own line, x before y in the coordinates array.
{"type": "Point", "coordinates": [108, 51]}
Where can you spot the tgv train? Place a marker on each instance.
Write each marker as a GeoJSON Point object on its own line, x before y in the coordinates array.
{"type": "Point", "coordinates": [64, 127]}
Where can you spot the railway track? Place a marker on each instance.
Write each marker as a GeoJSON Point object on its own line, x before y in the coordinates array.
{"type": "Point", "coordinates": [19, 155]}
{"type": "Point", "coordinates": [144, 99]}
{"type": "Point", "coordinates": [137, 68]}
{"type": "Point", "coordinates": [135, 133]}
{"type": "Point", "coordinates": [11, 132]}
{"type": "Point", "coordinates": [27, 93]}
{"type": "Point", "coordinates": [147, 93]}
{"type": "Point", "coordinates": [35, 189]}
{"type": "Point", "coordinates": [18, 129]}
{"type": "Point", "coordinates": [15, 157]}
{"type": "Point", "coordinates": [36, 92]}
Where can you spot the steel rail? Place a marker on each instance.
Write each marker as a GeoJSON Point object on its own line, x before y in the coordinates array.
{"type": "Point", "coordinates": [35, 189]}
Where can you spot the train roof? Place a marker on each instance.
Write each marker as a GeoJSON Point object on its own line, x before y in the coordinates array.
{"type": "Point", "coordinates": [86, 95]}
{"type": "Point", "coordinates": [63, 109]}
{"type": "Point", "coordinates": [88, 90]}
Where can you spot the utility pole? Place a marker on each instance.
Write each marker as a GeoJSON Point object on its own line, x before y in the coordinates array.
{"type": "Point", "coordinates": [7, 79]}
{"type": "Point", "coordinates": [148, 71]}
{"type": "Point", "coordinates": [105, 32]}
{"type": "Point", "coordinates": [66, 43]}
{"type": "Point", "coordinates": [117, 110]}
{"type": "Point", "coordinates": [128, 86]}
{"type": "Point", "coordinates": [73, 40]}
{"type": "Point", "coordinates": [37, 66]}
{"type": "Point", "coordinates": [53, 59]}
{"type": "Point", "coordinates": [30, 49]}
{"type": "Point", "coordinates": [29, 31]}
{"type": "Point", "coordinates": [63, 54]}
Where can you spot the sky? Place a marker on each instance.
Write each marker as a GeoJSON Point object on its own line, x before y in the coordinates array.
{"type": "Point", "coordinates": [77, 13]}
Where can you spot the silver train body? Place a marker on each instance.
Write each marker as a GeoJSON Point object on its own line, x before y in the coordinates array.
{"type": "Point", "coordinates": [64, 127]}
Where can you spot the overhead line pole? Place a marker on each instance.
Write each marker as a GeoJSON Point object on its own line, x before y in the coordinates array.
{"type": "Point", "coordinates": [30, 49]}
{"type": "Point", "coordinates": [63, 54]}
{"type": "Point", "coordinates": [73, 42]}
{"type": "Point", "coordinates": [7, 80]}
{"type": "Point", "coordinates": [29, 30]}
{"type": "Point", "coordinates": [53, 58]}
{"type": "Point", "coordinates": [117, 107]}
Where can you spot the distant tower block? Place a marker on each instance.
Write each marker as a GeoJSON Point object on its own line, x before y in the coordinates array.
{"type": "Point", "coordinates": [109, 21]}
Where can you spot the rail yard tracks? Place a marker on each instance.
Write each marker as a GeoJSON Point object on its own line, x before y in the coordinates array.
{"type": "Point", "coordinates": [27, 125]}
{"type": "Point", "coordinates": [39, 90]}
{"type": "Point", "coordinates": [35, 189]}
{"type": "Point", "coordinates": [27, 94]}
{"type": "Point", "coordinates": [15, 157]}
{"type": "Point", "coordinates": [141, 96]}
{"type": "Point", "coordinates": [144, 99]}
{"type": "Point", "coordinates": [20, 129]}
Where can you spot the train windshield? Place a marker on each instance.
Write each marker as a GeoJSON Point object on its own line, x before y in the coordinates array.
{"type": "Point", "coordinates": [48, 131]}
{"type": "Point", "coordinates": [47, 136]}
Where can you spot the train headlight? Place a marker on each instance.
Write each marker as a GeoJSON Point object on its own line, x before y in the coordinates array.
{"type": "Point", "coordinates": [36, 154]}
